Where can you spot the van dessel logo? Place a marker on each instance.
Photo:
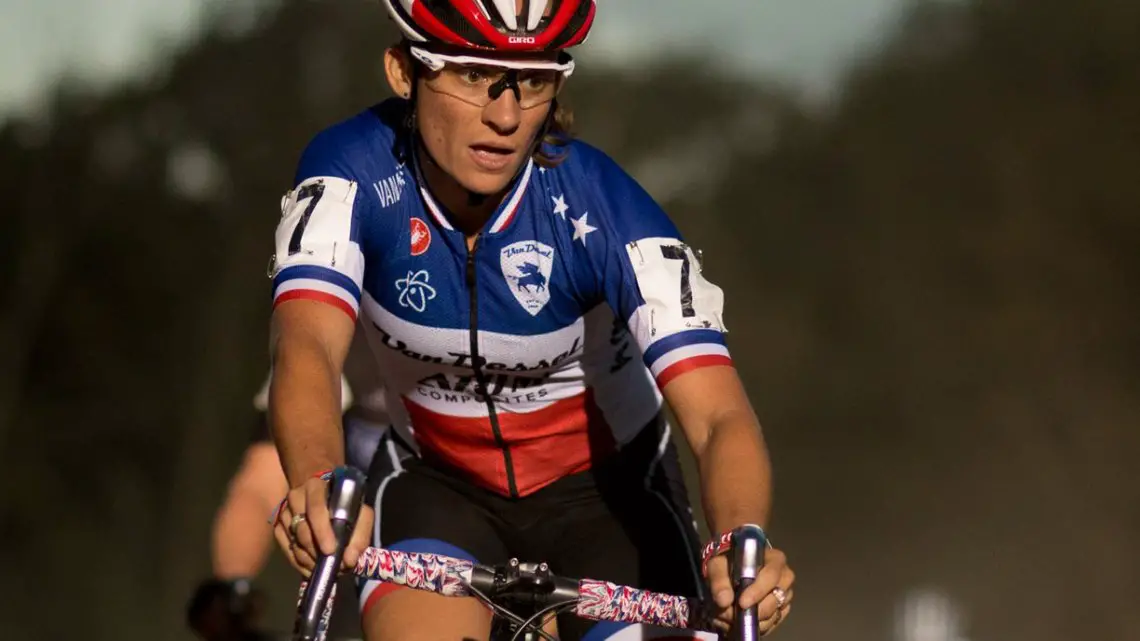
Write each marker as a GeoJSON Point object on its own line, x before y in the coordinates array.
{"type": "Point", "coordinates": [526, 266]}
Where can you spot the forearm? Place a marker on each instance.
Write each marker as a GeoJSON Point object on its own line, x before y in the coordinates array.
{"type": "Point", "coordinates": [304, 409]}
{"type": "Point", "coordinates": [736, 475]}
{"type": "Point", "coordinates": [241, 537]}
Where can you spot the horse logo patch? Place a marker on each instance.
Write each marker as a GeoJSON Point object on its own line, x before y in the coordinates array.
{"type": "Point", "coordinates": [526, 266]}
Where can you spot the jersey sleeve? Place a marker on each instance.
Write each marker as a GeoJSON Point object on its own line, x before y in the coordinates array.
{"type": "Point", "coordinates": [318, 248]}
{"type": "Point", "coordinates": [653, 280]}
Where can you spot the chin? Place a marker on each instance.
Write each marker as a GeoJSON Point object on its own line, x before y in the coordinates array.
{"type": "Point", "coordinates": [487, 183]}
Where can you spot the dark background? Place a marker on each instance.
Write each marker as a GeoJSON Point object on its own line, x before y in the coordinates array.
{"type": "Point", "coordinates": [932, 284]}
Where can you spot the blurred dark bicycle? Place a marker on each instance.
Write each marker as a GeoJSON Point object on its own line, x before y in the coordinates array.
{"type": "Point", "coordinates": [525, 597]}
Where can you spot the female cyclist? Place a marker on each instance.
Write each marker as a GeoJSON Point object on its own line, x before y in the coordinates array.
{"type": "Point", "coordinates": [508, 277]}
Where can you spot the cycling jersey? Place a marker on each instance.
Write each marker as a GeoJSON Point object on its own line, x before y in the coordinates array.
{"type": "Point", "coordinates": [514, 362]}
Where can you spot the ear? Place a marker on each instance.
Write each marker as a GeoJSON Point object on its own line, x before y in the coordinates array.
{"type": "Point", "coordinates": [398, 70]}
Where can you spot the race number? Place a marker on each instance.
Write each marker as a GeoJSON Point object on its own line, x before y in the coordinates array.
{"type": "Point", "coordinates": [676, 293]}
{"type": "Point", "coordinates": [316, 224]}
{"type": "Point", "coordinates": [312, 192]}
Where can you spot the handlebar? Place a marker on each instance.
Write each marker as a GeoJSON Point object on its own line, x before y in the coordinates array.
{"type": "Point", "coordinates": [449, 576]}
{"type": "Point", "coordinates": [597, 600]}
{"type": "Point", "coordinates": [346, 492]}
{"type": "Point", "coordinates": [748, 543]}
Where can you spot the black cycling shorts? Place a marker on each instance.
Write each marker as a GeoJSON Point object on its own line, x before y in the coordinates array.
{"type": "Point", "coordinates": [626, 520]}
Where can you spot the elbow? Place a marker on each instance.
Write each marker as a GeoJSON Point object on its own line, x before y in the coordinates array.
{"type": "Point", "coordinates": [732, 426]}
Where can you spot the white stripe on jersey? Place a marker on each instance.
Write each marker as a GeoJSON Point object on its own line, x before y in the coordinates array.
{"type": "Point", "coordinates": [314, 285]}
{"type": "Point", "coordinates": [511, 209]}
{"type": "Point", "coordinates": [400, 354]}
{"type": "Point", "coordinates": [688, 351]}
{"type": "Point", "coordinates": [408, 355]}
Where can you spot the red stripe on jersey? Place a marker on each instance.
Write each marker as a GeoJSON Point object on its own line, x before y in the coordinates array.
{"type": "Point", "coordinates": [324, 297]}
{"type": "Point", "coordinates": [560, 439]}
{"type": "Point", "coordinates": [510, 216]}
{"type": "Point", "coordinates": [690, 364]}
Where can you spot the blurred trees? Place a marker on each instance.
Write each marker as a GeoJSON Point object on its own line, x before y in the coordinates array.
{"type": "Point", "coordinates": [945, 292]}
{"type": "Point", "coordinates": [932, 296]}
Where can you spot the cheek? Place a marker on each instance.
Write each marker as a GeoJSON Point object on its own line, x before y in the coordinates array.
{"type": "Point", "coordinates": [442, 125]}
{"type": "Point", "coordinates": [434, 126]}
{"type": "Point", "coordinates": [533, 121]}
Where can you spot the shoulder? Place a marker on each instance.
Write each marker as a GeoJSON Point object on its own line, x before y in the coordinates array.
{"type": "Point", "coordinates": [614, 197]}
{"type": "Point", "coordinates": [587, 161]}
{"type": "Point", "coordinates": [359, 148]}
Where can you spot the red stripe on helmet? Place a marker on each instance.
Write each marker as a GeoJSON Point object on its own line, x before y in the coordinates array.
{"type": "Point", "coordinates": [423, 18]}
{"type": "Point", "coordinates": [558, 22]}
{"type": "Point", "coordinates": [502, 42]}
{"type": "Point", "coordinates": [577, 38]}
{"type": "Point", "coordinates": [475, 16]}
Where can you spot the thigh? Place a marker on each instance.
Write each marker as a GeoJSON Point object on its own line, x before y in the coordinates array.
{"type": "Point", "coordinates": [418, 511]}
{"type": "Point", "coordinates": [413, 615]}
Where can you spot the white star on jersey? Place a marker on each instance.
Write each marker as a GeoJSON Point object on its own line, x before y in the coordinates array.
{"type": "Point", "coordinates": [581, 228]}
{"type": "Point", "coordinates": [560, 206]}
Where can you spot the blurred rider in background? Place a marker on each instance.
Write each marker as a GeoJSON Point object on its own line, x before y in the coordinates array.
{"type": "Point", "coordinates": [227, 605]}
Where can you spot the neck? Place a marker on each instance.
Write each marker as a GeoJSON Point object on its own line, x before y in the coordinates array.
{"type": "Point", "coordinates": [469, 212]}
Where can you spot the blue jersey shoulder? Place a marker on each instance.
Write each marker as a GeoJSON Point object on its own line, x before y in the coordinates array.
{"type": "Point", "coordinates": [364, 147]}
{"type": "Point", "coordinates": [620, 203]}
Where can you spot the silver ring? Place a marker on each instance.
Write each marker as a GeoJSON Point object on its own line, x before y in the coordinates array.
{"type": "Point", "coordinates": [781, 597]}
{"type": "Point", "coordinates": [298, 519]}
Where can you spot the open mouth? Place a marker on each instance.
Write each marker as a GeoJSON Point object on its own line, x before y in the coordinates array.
{"type": "Point", "coordinates": [491, 157]}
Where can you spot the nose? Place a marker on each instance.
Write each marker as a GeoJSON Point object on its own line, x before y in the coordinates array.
{"type": "Point", "coordinates": [503, 114]}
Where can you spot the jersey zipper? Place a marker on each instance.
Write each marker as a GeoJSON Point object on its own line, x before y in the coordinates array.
{"type": "Point", "coordinates": [481, 387]}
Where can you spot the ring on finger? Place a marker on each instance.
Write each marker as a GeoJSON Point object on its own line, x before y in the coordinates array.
{"type": "Point", "coordinates": [297, 520]}
{"type": "Point", "coordinates": [781, 597]}
{"type": "Point", "coordinates": [772, 622]}
{"type": "Point", "coordinates": [775, 619]}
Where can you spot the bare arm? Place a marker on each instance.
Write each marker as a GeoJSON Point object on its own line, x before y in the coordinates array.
{"type": "Point", "coordinates": [724, 434]}
{"type": "Point", "coordinates": [736, 482]}
{"type": "Point", "coordinates": [309, 342]}
{"type": "Point", "coordinates": [318, 273]}
{"type": "Point", "coordinates": [241, 538]}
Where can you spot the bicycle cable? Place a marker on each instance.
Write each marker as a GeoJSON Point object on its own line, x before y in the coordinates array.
{"type": "Point", "coordinates": [550, 609]}
{"type": "Point", "coordinates": [504, 612]}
